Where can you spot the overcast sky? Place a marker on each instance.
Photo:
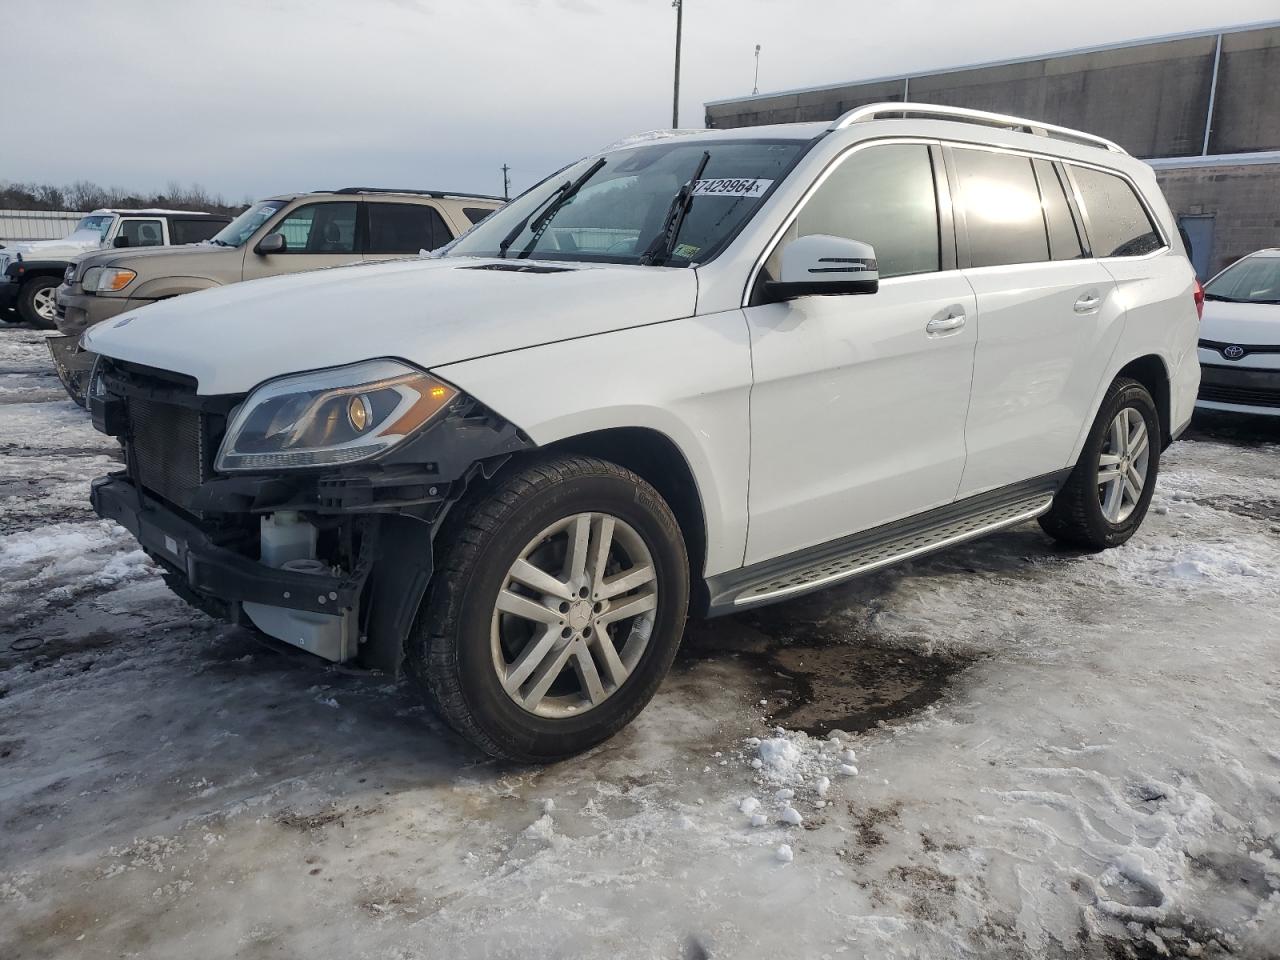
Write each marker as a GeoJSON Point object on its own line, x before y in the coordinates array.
{"type": "Point", "coordinates": [252, 97]}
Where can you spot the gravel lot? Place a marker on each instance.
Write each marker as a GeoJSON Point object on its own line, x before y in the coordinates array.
{"type": "Point", "coordinates": [1056, 755]}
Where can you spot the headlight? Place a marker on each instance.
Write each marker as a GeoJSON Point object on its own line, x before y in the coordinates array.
{"type": "Point", "coordinates": [107, 279]}
{"type": "Point", "coordinates": [331, 416]}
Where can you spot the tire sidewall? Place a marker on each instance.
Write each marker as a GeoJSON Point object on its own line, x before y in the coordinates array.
{"type": "Point", "coordinates": [472, 603]}
{"type": "Point", "coordinates": [1130, 395]}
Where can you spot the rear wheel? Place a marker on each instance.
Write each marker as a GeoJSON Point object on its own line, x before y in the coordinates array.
{"type": "Point", "coordinates": [556, 609]}
{"type": "Point", "coordinates": [1107, 495]}
{"type": "Point", "coordinates": [37, 304]}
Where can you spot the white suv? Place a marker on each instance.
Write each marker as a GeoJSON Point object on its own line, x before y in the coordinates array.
{"type": "Point", "coordinates": [689, 374]}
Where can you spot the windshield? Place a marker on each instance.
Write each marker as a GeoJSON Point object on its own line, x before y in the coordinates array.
{"type": "Point", "coordinates": [96, 224]}
{"type": "Point", "coordinates": [235, 233]}
{"type": "Point", "coordinates": [1252, 280]}
{"type": "Point", "coordinates": [620, 208]}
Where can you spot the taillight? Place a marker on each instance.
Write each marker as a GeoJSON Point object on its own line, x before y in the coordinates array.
{"type": "Point", "coordinates": [1198, 292]}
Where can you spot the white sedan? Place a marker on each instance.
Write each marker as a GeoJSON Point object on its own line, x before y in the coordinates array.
{"type": "Point", "coordinates": [1240, 337]}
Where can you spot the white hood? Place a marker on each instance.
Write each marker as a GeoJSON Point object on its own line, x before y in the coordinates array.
{"type": "Point", "coordinates": [428, 312]}
{"type": "Point", "coordinates": [70, 246]}
{"type": "Point", "coordinates": [1242, 323]}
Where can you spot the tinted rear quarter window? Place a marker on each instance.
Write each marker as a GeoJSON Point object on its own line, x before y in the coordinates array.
{"type": "Point", "coordinates": [193, 231]}
{"type": "Point", "coordinates": [476, 214]}
{"type": "Point", "coordinates": [1001, 203]}
{"type": "Point", "coordinates": [1118, 223]}
{"type": "Point", "coordinates": [882, 195]}
{"type": "Point", "coordinates": [405, 228]}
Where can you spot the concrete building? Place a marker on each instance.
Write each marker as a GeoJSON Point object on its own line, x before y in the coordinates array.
{"type": "Point", "coordinates": [1202, 109]}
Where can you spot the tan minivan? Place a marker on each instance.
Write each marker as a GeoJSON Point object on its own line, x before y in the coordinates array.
{"type": "Point", "coordinates": [282, 234]}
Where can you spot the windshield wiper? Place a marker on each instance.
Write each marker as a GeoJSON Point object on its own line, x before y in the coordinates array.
{"type": "Point", "coordinates": [1218, 296]}
{"type": "Point", "coordinates": [659, 250]}
{"type": "Point", "coordinates": [557, 199]}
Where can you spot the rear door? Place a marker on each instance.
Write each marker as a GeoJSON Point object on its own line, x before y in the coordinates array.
{"type": "Point", "coordinates": [403, 229]}
{"type": "Point", "coordinates": [1049, 315]}
{"type": "Point", "coordinates": [319, 234]}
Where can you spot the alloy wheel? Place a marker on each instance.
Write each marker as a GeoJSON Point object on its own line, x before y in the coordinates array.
{"type": "Point", "coordinates": [574, 615]}
{"type": "Point", "coordinates": [45, 303]}
{"type": "Point", "coordinates": [1123, 465]}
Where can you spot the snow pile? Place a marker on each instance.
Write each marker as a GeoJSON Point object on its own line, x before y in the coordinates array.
{"type": "Point", "coordinates": [61, 561]}
{"type": "Point", "coordinates": [1240, 567]}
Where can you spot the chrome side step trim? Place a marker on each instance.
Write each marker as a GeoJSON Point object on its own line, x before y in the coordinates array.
{"type": "Point", "coordinates": [867, 567]}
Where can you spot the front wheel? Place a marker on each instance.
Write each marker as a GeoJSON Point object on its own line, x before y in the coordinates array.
{"type": "Point", "coordinates": [1107, 495]}
{"type": "Point", "coordinates": [555, 611]}
{"type": "Point", "coordinates": [37, 302]}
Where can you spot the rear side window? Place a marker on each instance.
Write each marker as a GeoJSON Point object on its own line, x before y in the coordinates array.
{"type": "Point", "coordinates": [1118, 223]}
{"type": "Point", "coordinates": [884, 196]}
{"type": "Point", "coordinates": [476, 214]}
{"type": "Point", "coordinates": [1002, 210]}
{"type": "Point", "coordinates": [193, 231]}
{"type": "Point", "coordinates": [405, 228]}
{"type": "Point", "coordinates": [1064, 239]}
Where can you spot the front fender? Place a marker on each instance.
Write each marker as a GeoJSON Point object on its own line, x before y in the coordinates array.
{"type": "Point", "coordinates": [162, 288]}
{"type": "Point", "coordinates": [686, 379]}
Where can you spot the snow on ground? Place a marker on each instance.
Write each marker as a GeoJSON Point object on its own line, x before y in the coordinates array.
{"type": "Point", "coordinates": [1008, 750]}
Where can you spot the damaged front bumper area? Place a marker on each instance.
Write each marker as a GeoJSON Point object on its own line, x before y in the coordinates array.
{"type": "Point", "coordinates": [221, 580]}
{"type": "Point", "coordinates": [332, 560]}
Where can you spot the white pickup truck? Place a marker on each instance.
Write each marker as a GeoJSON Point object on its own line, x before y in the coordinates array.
{"type": "Point", "coordinates": [31, 272]}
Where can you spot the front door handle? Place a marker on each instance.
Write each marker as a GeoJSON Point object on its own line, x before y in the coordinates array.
{"type": "Point", "coordinates": [949, 320]}
{"type": "Point", "coordinates": [1088, 302]}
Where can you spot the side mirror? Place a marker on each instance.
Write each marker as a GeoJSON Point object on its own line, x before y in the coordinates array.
{"type": "Point", "coordinates": [822, 264]}
{"type": "Point", "coordinates": [120, 241]}
{"type": "Point", "coordinates": [271, 243]}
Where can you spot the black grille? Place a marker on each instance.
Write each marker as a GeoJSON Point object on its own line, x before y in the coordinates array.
{"type": "Point", "coordinates": [167, 449]}
{"type": "Point", "coordinates": [1253, 396]}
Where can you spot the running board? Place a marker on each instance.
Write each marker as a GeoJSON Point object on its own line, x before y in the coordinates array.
{"type": "Point", "coordinates": [829, 563]}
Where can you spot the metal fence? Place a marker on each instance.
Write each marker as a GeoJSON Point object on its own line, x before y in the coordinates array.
{"type": "Point", "coordinates": [16, 225]}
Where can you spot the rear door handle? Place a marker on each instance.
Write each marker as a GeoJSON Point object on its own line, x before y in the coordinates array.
{"type": "Point", "coordinates": [949, 320]}
{"type": "Point", "coordinates": [1088, 302]}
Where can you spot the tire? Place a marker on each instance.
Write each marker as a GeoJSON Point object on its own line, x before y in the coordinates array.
{"type": "Point", "coordinates": [33, 306]}
{"type": "Point", "coordinates": [1082, 515]}
{"type": "Point", "coordinates": [466, 653]}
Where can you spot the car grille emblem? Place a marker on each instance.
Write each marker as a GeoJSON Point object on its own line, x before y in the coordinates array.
{"type": "Point", "coordinates": [1233, 351]}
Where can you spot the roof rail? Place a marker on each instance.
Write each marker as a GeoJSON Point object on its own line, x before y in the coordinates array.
{"type": "Point", "coordinates": [438, 194]}
{"type": "Point", "coordinates": [930, 111]}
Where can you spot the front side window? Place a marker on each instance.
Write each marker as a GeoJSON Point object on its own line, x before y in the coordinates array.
{"type": "Point", "coordinates": [1251, 280]}
{"type": "Point", "coordinates": [142, 233]}
{"type": "Point", "coordinates": [1002, 212]}
{"type": "Point", "coordinates": [476, 214]}
{"type": "Point", "coordinates": [1118, 223]}
{"type": "Point", "coordinates": [320, 228]}
{"type": "Point", "coordinates": [620, 208]}
{"type": "Point", "coordinates": [238, 231]}
{"type": "Point", "coordinates": [405, 228]}
{"type": "Point", "coordinates": [881, 195]}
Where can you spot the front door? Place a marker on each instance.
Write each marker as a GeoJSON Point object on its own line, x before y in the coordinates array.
{"type": "Point", "coordinates": [858, 403]}
{"type": "Point", "coordinates": [321, 234]}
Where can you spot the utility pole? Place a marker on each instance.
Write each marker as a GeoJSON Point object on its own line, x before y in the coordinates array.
{"type": "Point", "coordinates": [675, 102]}
{"type": "Point", "coordinates": [506, 183]}
{"type": "Point", "coordinates": [755, 85]}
